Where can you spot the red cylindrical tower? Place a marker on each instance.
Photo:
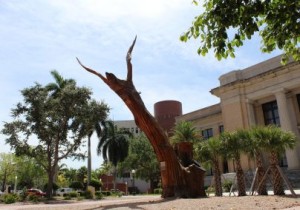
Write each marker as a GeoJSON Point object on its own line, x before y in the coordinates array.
{"type": "Point", "coordinates": [165, 113]}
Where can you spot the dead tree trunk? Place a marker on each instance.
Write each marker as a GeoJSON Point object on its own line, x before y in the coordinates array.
{"type": "Point", "coordinates": [177, 180]}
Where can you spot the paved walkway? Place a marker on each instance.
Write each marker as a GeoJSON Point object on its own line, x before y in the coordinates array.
{"type": "Point", "coordinates": [101, 204]}
{"type": "Point", "coordinates": [81, 205]}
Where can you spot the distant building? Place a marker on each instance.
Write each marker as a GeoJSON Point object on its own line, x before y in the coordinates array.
{"type": "Point", "coordinates": [128, 125]}
{"type": "Point", "coordinates": [266, 93]}
{"type": "Point", "coordinates": [165, 113]}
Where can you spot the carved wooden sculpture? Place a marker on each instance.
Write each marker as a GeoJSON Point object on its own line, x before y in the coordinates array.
{"type": "Point", "coordinates": [177, 180]}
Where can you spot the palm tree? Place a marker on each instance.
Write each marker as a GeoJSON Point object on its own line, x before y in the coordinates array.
{"type": "Point", "coordinates": [184, 131]}
{"type": "Point", "coordinates": [184, 135]}
{"type": "Point", "coordinates": [234, 146]}
{"type": "Point", "coordinates": [276, 141]}
{"type": "Point", "coordinates": [59, 84]}
{"type": "Point", "coordinates": [113, 144]}
{"type": "Point", "coordinates": [256, 137]}
{"type": "Point", "coordinates": [95, 115]}
{"type": "Point", "coordinates": [252, 140]}
{"type": "Point", "coordinates": [210, 151]}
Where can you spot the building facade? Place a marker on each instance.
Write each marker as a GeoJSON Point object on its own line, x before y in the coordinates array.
{"type": "Point", "coordinates": [128, 125]}
{"type": "Point", "coordinates": [266, 93]}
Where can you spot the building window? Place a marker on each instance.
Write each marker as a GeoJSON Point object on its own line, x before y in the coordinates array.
{"type": "Point", "coordinates": [207, 133]}
{"type": "Point", "coordinates": [298, 100]}
{"type": "Point", "coordinates": [271, 115]}
{"type": "Point", "coordinates": [221, 129]}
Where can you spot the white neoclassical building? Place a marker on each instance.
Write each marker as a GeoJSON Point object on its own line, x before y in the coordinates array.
{"type": "Point", "coordinates": [266, 93]}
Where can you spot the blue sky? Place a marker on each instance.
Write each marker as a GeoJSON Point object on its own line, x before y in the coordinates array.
{"type": "Point", "coordinates": [38, 36]}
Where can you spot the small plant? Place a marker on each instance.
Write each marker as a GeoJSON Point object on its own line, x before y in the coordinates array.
{"type": "Point", "coordinates": [67, 197]}
{"type": "Point", "coordinates": [227, 185]}
{"type": "Point", "coordinates": [210, 190]}
{"type": "Point", "coordinates": [98, 195]}
{"type": "Point", "coordinates": [22, 196]}
{"type": "Point", "coordinates": [74, 194]}
{"type": "Point", "coordinates": [34, 198]}
{"type": "Point", "coordinates": [88, 194]}
{"type": "Point", "coordinates": [9, 198]}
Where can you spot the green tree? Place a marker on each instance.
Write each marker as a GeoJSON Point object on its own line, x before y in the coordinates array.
{"type": "Point", "coordinates": [69, 174]}
{"type": "Point", "coordinates": [7, 169]}
{"type": "Point", "coordinates": [142, 158]}
{"type": "Point", "coordinates": [224, 26]}
{"type": "Point", "coordinates": [184, 131]}
{"type": "Point", "coordinates": [54, 121]}
{"type": "Point", "coordinates": [29, 173]}
{"type": "Point", "coordinates": [276, 141]}
{"type": "Point", "coordinates": [105, 168]}
{"type": "Point", "coordinates": [210, 151]}
{"type": "Point", "coordinates": [94, 117]}
{"type": "Point", "coordinates": [113, 144]}
{"type": "Point", "coordinates": [233, 147]}
{"type": "Point", "coordinates": [81, 174]}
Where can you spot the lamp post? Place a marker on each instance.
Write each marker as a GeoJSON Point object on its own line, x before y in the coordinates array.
{"type": "Point", "coordinates": [100, 185]}
{"type": "Point", "coordinates": [133, 172]}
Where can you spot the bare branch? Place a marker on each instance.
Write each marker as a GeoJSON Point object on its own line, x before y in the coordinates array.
{"type": "Point", "coordinates": [128, 60]}
{"type": "Point", "coordinates": [92, 71]}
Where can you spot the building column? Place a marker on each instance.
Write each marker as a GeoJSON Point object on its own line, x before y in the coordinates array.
{"type": "Point", "coordinates": [285, 116]}
{"type": "Point", "coordinates": [250, 112]}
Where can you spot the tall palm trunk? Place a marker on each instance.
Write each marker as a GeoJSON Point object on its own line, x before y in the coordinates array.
{"type": "Point", "coordinates": [240, 178]}
{"type": "Point", "coordinates": [89, 168]}
{"type": "Point", "coordinates": [262, 188]}
{"type": "Point", "coordinates": [276, 177]}
{"type": "Point", "coordinates": [217, 178]}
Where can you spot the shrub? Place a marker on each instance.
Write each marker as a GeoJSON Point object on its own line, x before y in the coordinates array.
{"type": "Point", "coordinates": [67, 197]}
{"type": "Point", "coordinates": [106, 193]}
{"type": "Point", "coordinates": [210, 190]}
{"type": "Point", "coordinates": [77, 185]}
{"type": "Point", "coordinates": [9, 198]}
{"type": "Point", "coordinates": [227, 185]}
{"type": "Point", "coordinates": [96, 184]}
{"type": "Point", "coordinates": [73, 194]}
{"type": "Point", "coordinates": [22, 196]}
{"type": "Point", "coordinates": [116, 193]}
{"type": "Point", "coordinates": [88, 194]}
{"type": "Point", "coordinates": [33, 198]}
{"type": "Point", "coordinates": [98, 195]}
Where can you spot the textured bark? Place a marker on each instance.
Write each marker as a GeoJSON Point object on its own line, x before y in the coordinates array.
{"type": "Point", "coordinates": [240, 178]}
{"type": "Point", "coordinates": [217, 177]}
{"type": "Point", "coordinates": [276, 177]}
{"type": "Point", "coordinates": [177, 180]}
{"type": "Point", "coordinates": [262, 188]}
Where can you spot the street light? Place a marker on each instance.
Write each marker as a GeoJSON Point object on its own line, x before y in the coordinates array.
{"type": "Point", "coordinates": [100, 185]}
{"type": "Point", "coordinates": [133, 172]}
